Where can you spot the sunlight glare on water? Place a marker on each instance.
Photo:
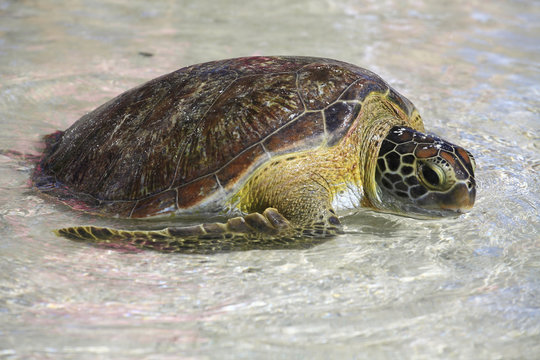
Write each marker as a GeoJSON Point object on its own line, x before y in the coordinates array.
{"type": "Point", "coordinates": [391, 287]}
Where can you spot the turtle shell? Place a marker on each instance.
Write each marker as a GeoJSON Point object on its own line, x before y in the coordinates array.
{"type": "Point", "coordinates": [193, 136]}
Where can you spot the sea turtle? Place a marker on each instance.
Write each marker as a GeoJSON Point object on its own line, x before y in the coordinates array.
{"type": "Point", "coordinates": [282, 146]}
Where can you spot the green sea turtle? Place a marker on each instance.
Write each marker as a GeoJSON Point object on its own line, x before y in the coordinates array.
{"type": "Point", "coordinates": [282, 146]}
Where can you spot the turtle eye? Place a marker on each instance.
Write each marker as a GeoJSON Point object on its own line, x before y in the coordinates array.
{"type": "Point", "coordinates": [431, 175]}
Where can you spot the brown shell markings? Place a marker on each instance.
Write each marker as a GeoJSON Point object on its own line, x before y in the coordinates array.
{"type": "Point", "coordinates": [174, 141]}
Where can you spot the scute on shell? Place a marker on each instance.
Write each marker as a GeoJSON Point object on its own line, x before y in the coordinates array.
{"type": "Point", "coordinates": [172, 142]}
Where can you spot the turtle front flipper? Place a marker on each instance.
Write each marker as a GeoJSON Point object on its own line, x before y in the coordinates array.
{"type": "Point", "coordinates": [269, 230]}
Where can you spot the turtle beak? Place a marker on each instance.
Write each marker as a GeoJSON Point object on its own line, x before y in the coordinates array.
{"type": "Point", "coordinates": [460, 199]}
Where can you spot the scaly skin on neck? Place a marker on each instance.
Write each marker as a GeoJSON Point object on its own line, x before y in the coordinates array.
{"type": "Point", "coordinates": [301, 186]}
{"type": "Point", "coordinates": [380, 115]}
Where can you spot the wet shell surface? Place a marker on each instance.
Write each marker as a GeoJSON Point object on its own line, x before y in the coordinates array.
{"type": "Point", "coordinates": [188, 139]}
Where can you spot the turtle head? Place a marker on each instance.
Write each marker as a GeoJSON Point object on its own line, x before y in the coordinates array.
{"type": "Point", "coordinates": [423, 175]}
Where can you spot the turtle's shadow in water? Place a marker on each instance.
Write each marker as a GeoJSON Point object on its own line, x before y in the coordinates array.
{"type": "Point", "coordinates": [367, 222]}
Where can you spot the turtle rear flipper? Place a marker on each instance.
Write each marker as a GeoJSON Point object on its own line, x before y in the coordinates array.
{"type": "Point", "coordinates": [269, 230]}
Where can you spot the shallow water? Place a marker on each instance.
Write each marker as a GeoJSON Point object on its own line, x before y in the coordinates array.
{"type": "Point", "coordinates": [392, 287]}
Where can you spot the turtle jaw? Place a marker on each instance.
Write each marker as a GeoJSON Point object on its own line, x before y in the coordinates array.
{"type": "Point", "coordinates": [452, 204]}
{"type": "Point", "coordinates": [460, 200]}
